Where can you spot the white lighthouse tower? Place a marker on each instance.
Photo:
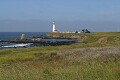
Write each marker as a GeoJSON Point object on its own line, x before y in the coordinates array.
{"type": "Point", "coordinates": [54, 27]}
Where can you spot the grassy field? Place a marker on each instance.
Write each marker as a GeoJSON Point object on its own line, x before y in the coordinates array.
{"type": "Point", "coordinates": [97, 58]}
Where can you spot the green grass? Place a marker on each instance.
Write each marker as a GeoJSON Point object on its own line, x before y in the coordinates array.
{"type": "Point", "coordinates": [75, 64]}
{"type": "Point", "coordinates": [81, 61]}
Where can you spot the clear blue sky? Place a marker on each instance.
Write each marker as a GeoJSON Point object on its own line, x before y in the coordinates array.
{"type": "Point", "coordinates": [69, 15]}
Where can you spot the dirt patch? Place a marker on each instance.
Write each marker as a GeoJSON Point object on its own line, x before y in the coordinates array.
{"type": "Point", "coordinates": [103, 40]}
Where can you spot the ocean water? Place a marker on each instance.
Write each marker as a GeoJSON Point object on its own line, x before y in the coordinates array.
{"type": "Point", "coordinates": [17, 35]}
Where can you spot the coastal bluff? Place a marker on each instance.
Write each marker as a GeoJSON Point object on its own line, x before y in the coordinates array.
{"type": "Point", "coordinates": [95, 37]}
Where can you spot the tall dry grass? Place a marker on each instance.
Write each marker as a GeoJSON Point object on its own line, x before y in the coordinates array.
{"type": "Point", "coordinates": [76, 64]}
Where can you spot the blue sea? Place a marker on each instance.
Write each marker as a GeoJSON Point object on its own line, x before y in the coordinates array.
{"type": "Point", "coordinates": [17, 35]}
